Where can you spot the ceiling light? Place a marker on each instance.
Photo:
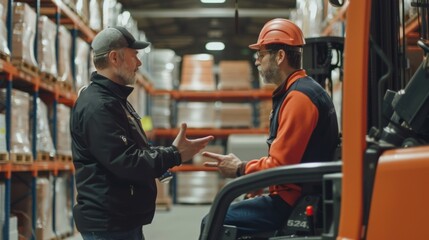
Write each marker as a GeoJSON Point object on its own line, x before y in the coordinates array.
{"type": "Point", "coordinates": [212, 1]}
{"type": "Point", "coordinates": [215, 46]}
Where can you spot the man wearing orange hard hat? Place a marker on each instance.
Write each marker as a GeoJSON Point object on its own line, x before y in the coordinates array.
{"type": "Point", "coordinates": [303, 128]}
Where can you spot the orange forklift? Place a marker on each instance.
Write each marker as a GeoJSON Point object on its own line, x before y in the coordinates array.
{"type": "Point", "coordinates": [378, 187]}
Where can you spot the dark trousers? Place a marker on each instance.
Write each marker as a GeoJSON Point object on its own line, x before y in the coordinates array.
{"type": "Point", "coordinates": [133, 234]}
{"type": "Point", "coordinates": [256, 215]}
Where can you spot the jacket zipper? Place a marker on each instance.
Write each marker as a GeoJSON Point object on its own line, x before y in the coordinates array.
{"type": "Point", "coordinates": [132, 190]}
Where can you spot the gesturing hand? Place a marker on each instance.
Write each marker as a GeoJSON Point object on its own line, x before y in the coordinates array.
{"type": "Point", "coordinates": [227, 164]}
{"type": "Point", "coordinates": [187, 147]}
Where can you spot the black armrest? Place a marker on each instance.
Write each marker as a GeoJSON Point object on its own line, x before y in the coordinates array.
{"type": "Point", "coordinates": [299, 173]}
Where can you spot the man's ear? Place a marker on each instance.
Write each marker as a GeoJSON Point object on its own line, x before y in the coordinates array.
{"type": "Point", "coordinates": [113, 57]}
{"type": "Point", "coordinates": [281, 56]}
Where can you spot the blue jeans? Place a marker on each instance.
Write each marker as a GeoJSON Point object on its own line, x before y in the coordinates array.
{"type": "Point", "coordinates": [133, 234]}
{"type": "Point", "coordinates": [256, 215]}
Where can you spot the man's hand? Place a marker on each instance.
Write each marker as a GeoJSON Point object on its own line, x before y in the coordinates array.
{"type": "Point", "coordinates": [188, 148]}
{"type": "Point", "coordinates": [227, 164]}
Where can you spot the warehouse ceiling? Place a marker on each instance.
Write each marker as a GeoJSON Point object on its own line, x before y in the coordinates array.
{"type": "Point", "coordinates": [187, 25]}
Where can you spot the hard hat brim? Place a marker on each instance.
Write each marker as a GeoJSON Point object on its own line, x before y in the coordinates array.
{"type": "Point", "coordinates": [255, 46]}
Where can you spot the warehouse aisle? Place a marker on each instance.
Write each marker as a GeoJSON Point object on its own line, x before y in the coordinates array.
{"type": "Point", "coordinates": [182, 222]}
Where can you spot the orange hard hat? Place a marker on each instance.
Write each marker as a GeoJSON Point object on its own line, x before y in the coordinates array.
{"type": "Point", "coordinates": [281, 31]}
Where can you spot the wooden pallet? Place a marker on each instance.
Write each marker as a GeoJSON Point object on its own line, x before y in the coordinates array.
{"type": "Point", "coordinates": [64, 86]}
{"type": "Point", "coordinates": [64, 236]}
{"type": "Point", "coordinates": [4, 157]}
{"type": "Point", "coordinates": [4, 56]}
{"type": "Point", "coordinates": [48, 78]}
{"type": "Point", "coordinates": [163, 203]}
{"type": "Point", "coordinates": [44, 157]}
{"type": "Point", "coordinates": [21, 158]}
{"type": "Point", "coordinates": [64, 158]}
{"type": "Point", "coordinates": [26, 67]}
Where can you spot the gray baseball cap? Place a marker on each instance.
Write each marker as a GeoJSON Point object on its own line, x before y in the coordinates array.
{"type": "Point", "coordinates": [115, 38]}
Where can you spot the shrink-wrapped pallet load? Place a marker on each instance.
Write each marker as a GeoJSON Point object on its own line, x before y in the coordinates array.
{"type": "Point", "coordinates": [248, 146]}
{"type": "Point", "coordinates": [197, 73]}
{"type": "Point", "coordinates": [46, 55]}
{"type": "Point", "coordinates": [197, 114]}
{"type": "Point", "coordinates": [81, 61]}
{"type": "Point", "coordinates": [95, 15]}
{"type": "Point", "coordinates": [238, 115]}
{"type": "Point", "coordinates": [164, 69]}
{"type": "Point", "coordinates": [197, 187]}
{"type": "Point", "coordinates": [235, 75]}
{"type": "Point", "coordinates": [63, 212]}
{"type": "Point", "coordinates": [111, 11]}
{"type": "Point", "coordinates": [163, 198]}
{"type": "Point", "coordinates": [4, 156]}
{"type": "Point", "coordinates": [20, 147]}
{"type": "Point", "coordinates": [45, 146]}
{"type": "Point", "coordinates": [24, 29]}
{"type": "Point", "coordinates": [22, 206]}
{"type": "Point", "coordinates": [4, 49]}
{"type": "Point", "coordinates": [63, 132]}
{"type": "Point", "coordinates": [64, 58]}
{"type": "Point", "coordinates": [82, 10]}
{"type": "Point", "coordinates": [44, 195]}
{"type": "Point", "coordinates": [161, 111]}
{"type": "Point", "coordinates": [265, 108]}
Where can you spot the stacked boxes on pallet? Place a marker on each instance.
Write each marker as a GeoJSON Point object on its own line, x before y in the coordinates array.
{"type": "Point", "coordinates": [265, 107]}
{"type": "Point", "coordinates": [235, 115]}
{"type": "Point", "coordinates": [95, 20]}
{"type": "Point", "coordinates": [20, 148]}
{"type": "Point", "coordinates": [46, 55]}
{"type": "Point", "coordinates": [63, 133]}
{"type": "Point", "coordinates": [64, 57]}
{"type": "Point", "coordinates": [44, 193]}
{"type": "Point", "coordinates": [215, 115]}
{"type": "Point", "coordinates": [63, 206]}
{"type": "Point", "coordinates": [45, 146]}
{"type": "Point", "coordinates": [82, 10]}
{"type": "Point", "coordinates": [197, 73]}
{"type": "Point", "coordinates": [164, 69]}
{"type": "Point", "coordinates": [81, 63]}
{"type": "Point", "coordinates": [4, 155]}
{"type": "Point", "coordinates": [197, 187]}
{"type": "Point", "coordinates": [13, 220]}
{"type": "Point", "coordinates": [24, 29]}
{"type": "Point", "coordinates": [163, 199]}
{"type": "Point", "coordinates": [197, 114]}
{"type": "Point", "coordinates": [4, 49]}
{"type": "Point", "coordinates": [111, 11]}
{"type": "Point", "coordinates": [234, 75]}
{"type": "Point", "coordinates": [248, 146]}
{"type": "Point", "coordinates": [161, 111]}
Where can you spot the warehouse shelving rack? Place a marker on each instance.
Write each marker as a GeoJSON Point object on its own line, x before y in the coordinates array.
{"type": "Point", "coordinates": [13, 78]}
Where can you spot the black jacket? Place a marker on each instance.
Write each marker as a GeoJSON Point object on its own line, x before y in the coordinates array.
{"type": "Point", "coordinates": [115, 165]}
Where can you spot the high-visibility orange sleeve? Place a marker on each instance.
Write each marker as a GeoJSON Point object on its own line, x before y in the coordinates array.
{"type": "Point", "coordinates": [297, 119]}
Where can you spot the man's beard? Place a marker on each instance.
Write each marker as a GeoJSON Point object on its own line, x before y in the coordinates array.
{"type": "Point", "coordinates": [271, 75]}
{"type": "Point", "coordinates": [127, 77]}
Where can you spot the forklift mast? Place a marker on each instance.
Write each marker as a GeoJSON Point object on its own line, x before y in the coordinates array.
{"type": "Point", "coordinates": [382, 198]}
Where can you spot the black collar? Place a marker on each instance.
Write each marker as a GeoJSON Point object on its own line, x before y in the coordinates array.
{"type": "Point", "coordinates": [119, 90]}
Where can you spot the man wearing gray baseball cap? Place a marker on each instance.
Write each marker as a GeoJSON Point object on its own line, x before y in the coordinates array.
{"type": "Point", "coordinates": [115, 164]}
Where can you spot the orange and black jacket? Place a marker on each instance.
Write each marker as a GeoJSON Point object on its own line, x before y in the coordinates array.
{"type": "Point", "coordinates": [303, 128]}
